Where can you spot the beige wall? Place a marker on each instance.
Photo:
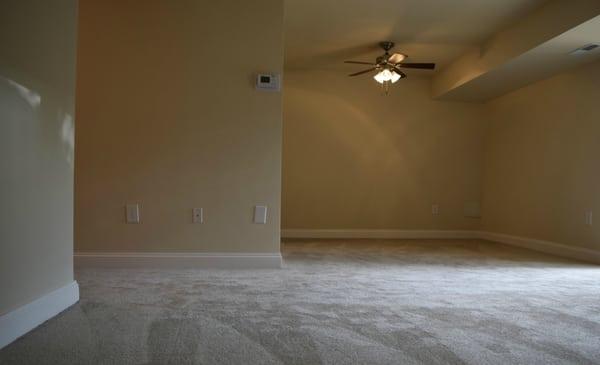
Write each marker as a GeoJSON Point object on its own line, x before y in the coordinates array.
{"type": "Point", "coordinates": [541, 166]}
{"type": "Point", "coordinates": [352, 158]}
{"type": "Point", "coordinates": [356, 159]}
{"type": "Point", "coordinates": [168, 117]}
{"type": "Point", "coordinates": [37, 70]}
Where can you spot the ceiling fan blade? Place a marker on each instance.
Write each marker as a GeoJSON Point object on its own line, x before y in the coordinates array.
{"type": "Point", "coordinates": [402, 74]}
{"type": "Point", "coordinates": [396, 58]}
{"type": "Point", "coordinates": [427, 66]}
{"type": "Point", "coordinates": [363, 72]}
{"type": "Point", "coordinates": [360, 62]}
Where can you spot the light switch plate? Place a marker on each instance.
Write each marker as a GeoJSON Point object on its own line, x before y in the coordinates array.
{"type": "Point", "coordinates": [132, 212]}
{"type": "Point", "coordinates": [260, 214]}
{"type": "Point", "coordinates": [435, 209]}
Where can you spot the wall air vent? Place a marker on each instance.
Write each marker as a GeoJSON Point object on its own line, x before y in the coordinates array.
{"type": "Point", "coordinates": [585, 49]}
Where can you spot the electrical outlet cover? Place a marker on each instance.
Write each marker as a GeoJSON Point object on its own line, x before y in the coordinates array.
{"type": "Point", "coordinates": [132, 213]}
{"type": "Point", "coordinates": [260, 214]}
{"type": "Point", "coordinates": [472, 210]}
{"type": "Point", "coordinates": [198, 215]}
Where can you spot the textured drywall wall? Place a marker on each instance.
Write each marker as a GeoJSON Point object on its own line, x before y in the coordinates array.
{"type": "Point", "coordinates": [168, 117]}
{"type": "Point", "coordinates": [37, 81]}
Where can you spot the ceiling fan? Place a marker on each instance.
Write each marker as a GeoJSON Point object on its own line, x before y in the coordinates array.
{"type": "Point", "coordinates": [388, 66]}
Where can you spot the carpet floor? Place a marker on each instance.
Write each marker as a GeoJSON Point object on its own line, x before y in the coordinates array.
{"type": "Point", "coordinates": [335, 302]}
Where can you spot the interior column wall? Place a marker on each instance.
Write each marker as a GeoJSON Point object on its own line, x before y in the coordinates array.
{"type": "Point", "coordinates": [37, 81]}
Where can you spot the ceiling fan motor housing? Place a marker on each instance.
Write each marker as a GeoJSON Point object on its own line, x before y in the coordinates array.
{"type": "Point", "coordinates": [387, 45]}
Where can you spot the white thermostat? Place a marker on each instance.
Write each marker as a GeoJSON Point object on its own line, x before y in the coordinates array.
{"type": "Point", "coordinates": [267, 82]}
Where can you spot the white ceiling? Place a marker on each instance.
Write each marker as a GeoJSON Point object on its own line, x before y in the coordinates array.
{"type": "Point", "coordinates": [324, 33]}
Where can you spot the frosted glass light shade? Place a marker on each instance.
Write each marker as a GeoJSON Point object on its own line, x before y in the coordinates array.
{"type": "Point", "coordinates": [386, 75]}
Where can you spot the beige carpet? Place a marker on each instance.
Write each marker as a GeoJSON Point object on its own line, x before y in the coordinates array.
{"type": "Point", "coordinates": [335, 302]}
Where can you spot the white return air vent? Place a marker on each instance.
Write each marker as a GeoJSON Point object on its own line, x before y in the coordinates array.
{"type": "Point", "coordinates": [585, 49]}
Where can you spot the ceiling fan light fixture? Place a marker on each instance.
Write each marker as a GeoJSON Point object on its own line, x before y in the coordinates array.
{"type": "Point", "coordinates": [388, 66]}
{"type": "Point", "coordinates": [380, 77]}
{"type": "Point", "coordinates": [387, 75]}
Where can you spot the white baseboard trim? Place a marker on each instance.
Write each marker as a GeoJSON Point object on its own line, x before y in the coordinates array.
{"type": "Point", "coordinates": [179, 260]}
{"type": "Point", "coordinates": [18, 322]}
{"type": "Point", "coordinates": [553, 248]}
{"type": "Point", "coordinates": [378, 234]}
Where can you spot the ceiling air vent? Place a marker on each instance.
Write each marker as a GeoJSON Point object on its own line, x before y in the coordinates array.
{"type": "Point", "coordinates": [585, 49]}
